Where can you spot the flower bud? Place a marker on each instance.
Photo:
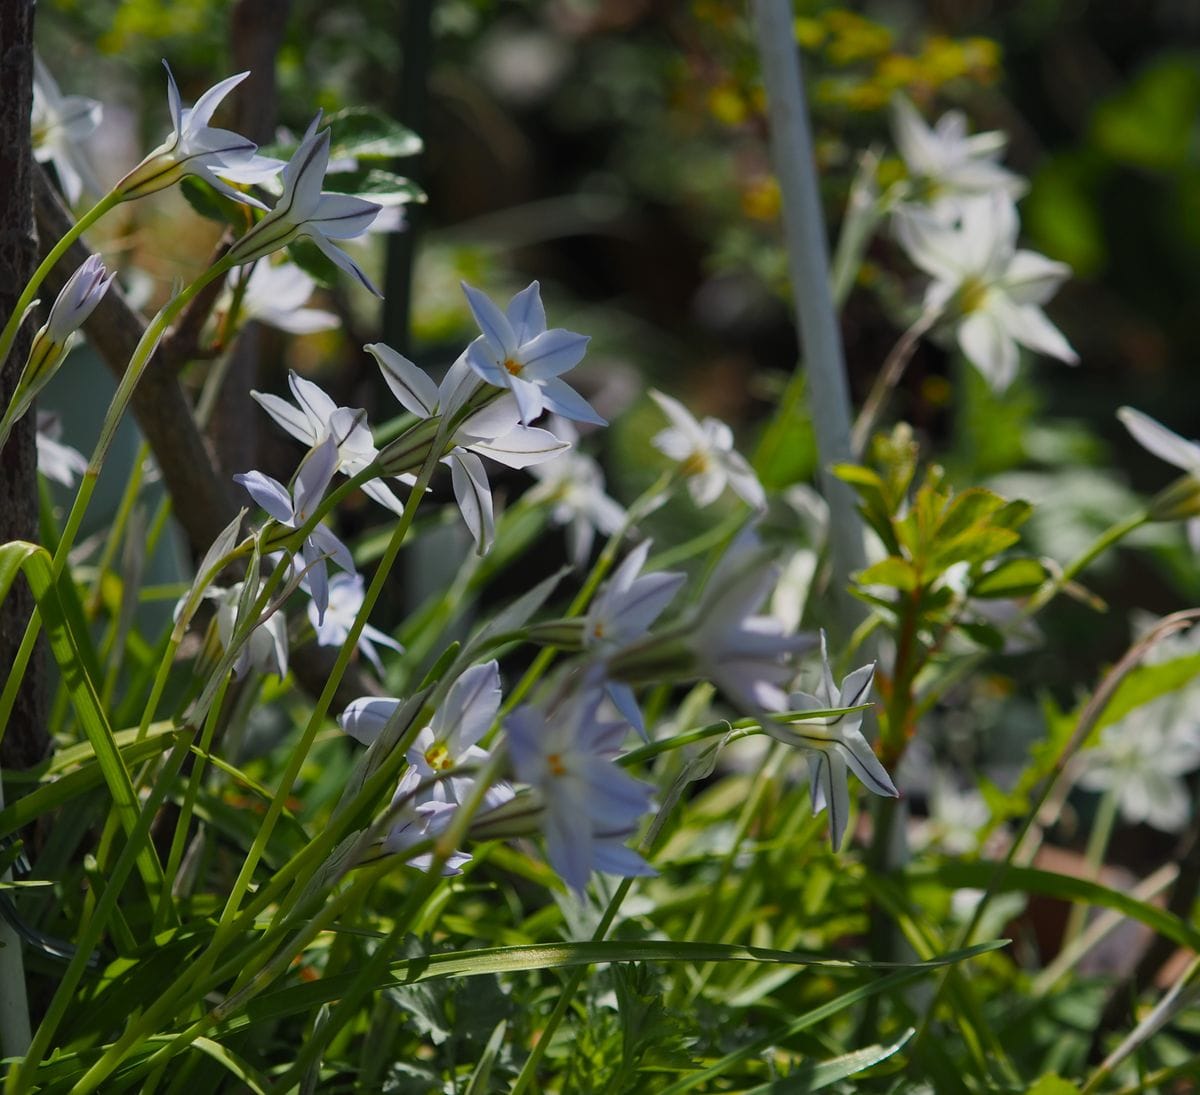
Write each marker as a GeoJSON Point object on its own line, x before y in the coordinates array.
{"type": "Point", "coordinates": [1179, 500]}
{"type": "Point", "coordinates": [410, 450]}
{"type": "Point", "coordinates": [78, 299]}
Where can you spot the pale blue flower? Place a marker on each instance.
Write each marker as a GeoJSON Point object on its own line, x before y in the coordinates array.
{"type": "Point", "coordinates": [835, 743]}
{"type": "Point", "coordinates": [706, 456]}
{"type": "Point", "coordinates": [622, 612]}
{"type": "Point", "coordinates": [218, 156]}
{"type": "Point", "coordinates": [495, 431]}
{"type": "Point", "coordinates": [303, 209]}
{"type": "Point", "coordinates": [314, 415]}
{"type": "Point", "coordinates": [293, 508]}
{"type": "Point", "coordinates": [517, 352]}
{"type": "Point", "coordinates": [591, 806]}
{"type": "Point", "coordinates": [346, 597]}
{"type": "Point", "coordinates": [573, 484]}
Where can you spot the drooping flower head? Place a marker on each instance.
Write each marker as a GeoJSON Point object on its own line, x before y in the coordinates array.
{"type": "Point", "coordinates": [517, 352]}
{"type": "Point", "coordinates": [315, 415]}
{"type": "Point", "coordinates": [218, 156]}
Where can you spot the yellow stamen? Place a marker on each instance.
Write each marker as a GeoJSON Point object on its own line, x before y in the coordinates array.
{"type": "Point", "coordinates": [514, 367]}
{"type": "Point", "coordinates": [438, 757]}
{"type": "Point", "coordinates": [555, 764]}
{"type": "Point", "coordinates": [696, 464]}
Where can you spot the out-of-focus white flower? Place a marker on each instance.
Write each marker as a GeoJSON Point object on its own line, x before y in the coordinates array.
{"type": "Point", "coordinates": [276, 293]}
{"type": "Point", "coordinates": [835, 744]}
{"type": "Point", "coordinates": [988, 290]}
{"type": "Point", "coordinates": [59, 126]}
{"type": "Point", "coordinates": [293, 508]}
{"type": "Point", "coordinates": [1142, 759]}
{"type": "Point", "coordinates": [1167, 445]}
{"type": "Point", "coordinates": [54, 459]}
{"type": "Point", "coordinates": [345, 600]}
{"type": "Point", "coordinates": [591, 806]}
{"type": "Point", "coordinates": [420, 820]}
{"type": "Point", "coordinates": [944, 163]}
{"type": "Point", "coordinates": [725, 639]}
{"type": "Point", "coordinates": [622, 612]}
{"type": "Point", "coordinates": [303, 209]}
{"type": "Point", "coordinates": [267, 647]}
{"type": "Point", "coordinates": [706, 456]}
{"type": "Point", "coordinates": [217, 156]}
{"type": "Point", "coordinates": [517, 352]}
{"type": "Point", "coordinates": [573, 484]}
{"type": "Point", "coordinates": [495, 431]}
{"type": "Point", "coordinates": [316, 416]}
{"type": "Point", "coordinates": [955, 817]}
{"type": "Point", "coordinates": [744, 653]}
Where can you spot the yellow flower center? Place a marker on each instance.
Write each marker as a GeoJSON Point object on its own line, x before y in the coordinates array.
{"type": "Point", "coordinates": [514, 367]}
{"type": "Point", "coordinates": [696, 464]}
{"type": "Point", "coordinates": [438, 757]}
{"type": "Point", "coordinates": [971, 295]}
{"type": "Point", "coordinates": [555, 764]}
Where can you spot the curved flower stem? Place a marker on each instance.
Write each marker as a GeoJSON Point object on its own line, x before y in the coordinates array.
{"type": "Point", "coordinates": [9, 334]}
{"type": "Point", "coordinates": [889, 376]}
{"type": "Point", "coordinates": [1110, 536]}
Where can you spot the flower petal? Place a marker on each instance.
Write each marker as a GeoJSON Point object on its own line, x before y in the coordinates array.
{"type": "Point", "coordinates": [474, 496]}
{"type": "Point", "coordinates": [492, 322]}
{"type": "Point", "coordinates": [1162, 442]}
{"type": "Point", "coordinates": [527, 314]}
{"type": "Point", "coordinates": [269, 493]}
{"type": "Point", "coordinates": [410, 384]}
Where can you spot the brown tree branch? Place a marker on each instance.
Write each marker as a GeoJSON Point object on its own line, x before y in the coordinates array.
{"type": "Point", "coordinates": [27, 740]}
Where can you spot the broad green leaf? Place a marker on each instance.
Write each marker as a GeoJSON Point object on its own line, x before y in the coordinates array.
{"type": "Point", "coordinates": [210, 204]}
{"type": "Point", "coordinates": [375, 184]}
{"type": "Point", "coordinates": [365, 133]}
{"type": "Point", "coordinates": [971, 507]}
{"type": "Point", "coordinates": [893, 571]}
{"type": "Point", "coordinates": [1012, 578]}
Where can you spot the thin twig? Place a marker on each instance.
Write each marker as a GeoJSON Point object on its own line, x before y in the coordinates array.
{"type": "Point", "coordinates": [889, 376]}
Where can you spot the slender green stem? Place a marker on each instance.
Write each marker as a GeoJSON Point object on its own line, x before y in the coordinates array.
{"type": "Point", "coordinates": [1097, 846]}
{"type": "Point", "coordinates": [142, 354]}
{"type": "Point", "coordinates": [9, 335]}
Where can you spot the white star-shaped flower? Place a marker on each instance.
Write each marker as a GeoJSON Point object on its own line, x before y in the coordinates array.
{"type": "Point", "coordinates": [990, 291]}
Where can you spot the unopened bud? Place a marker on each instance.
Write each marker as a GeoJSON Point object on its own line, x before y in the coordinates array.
{"type": "Point", "coordinates": [1179, 500]}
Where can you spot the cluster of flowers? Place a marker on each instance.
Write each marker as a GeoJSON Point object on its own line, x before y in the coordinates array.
{"type": "Point", "coordinates": [956, 218]}
{"type": "Point", "coordinates": [563, 751]}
